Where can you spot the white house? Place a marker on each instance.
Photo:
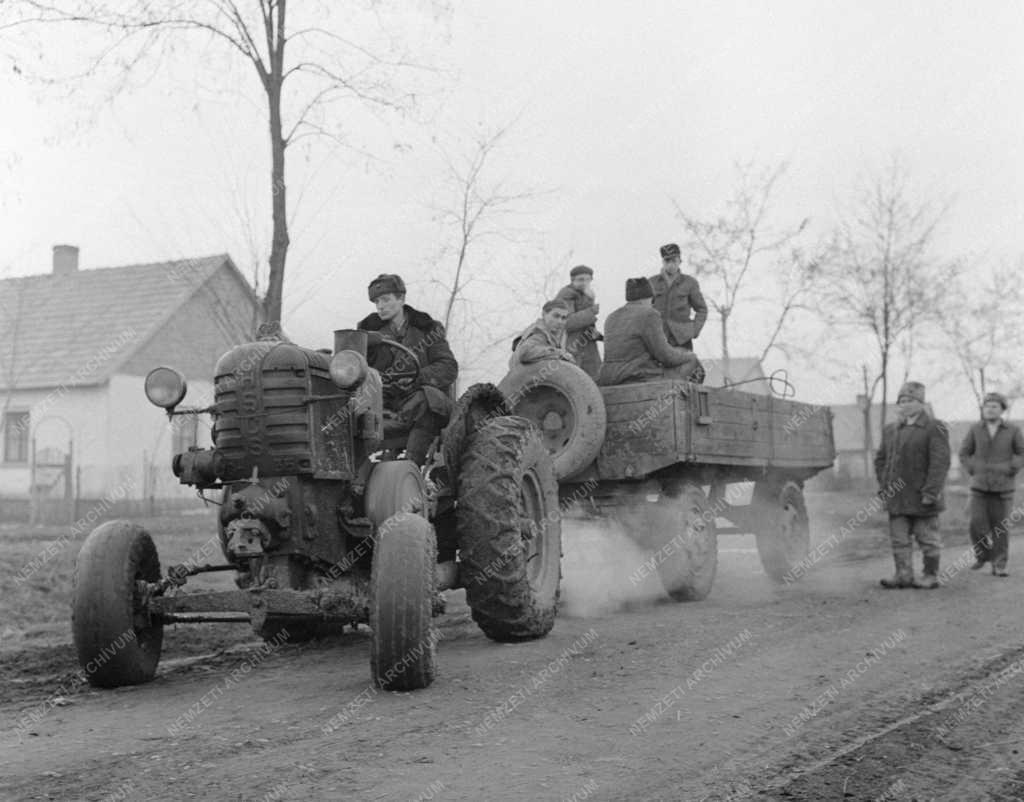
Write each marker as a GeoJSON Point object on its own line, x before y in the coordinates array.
{"type": "Point", "coordinates": [75, 347]}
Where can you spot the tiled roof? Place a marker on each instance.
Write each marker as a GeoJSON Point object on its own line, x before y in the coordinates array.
{"type": "Point", "coordinates": [76, 328]}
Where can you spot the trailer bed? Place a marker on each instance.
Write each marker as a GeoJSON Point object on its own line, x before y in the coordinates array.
{"type": "Point", "coordinates": [653, 425]}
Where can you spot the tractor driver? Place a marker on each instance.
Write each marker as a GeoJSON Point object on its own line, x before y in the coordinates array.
{"type": "Point", "coordinates": [418, 406]}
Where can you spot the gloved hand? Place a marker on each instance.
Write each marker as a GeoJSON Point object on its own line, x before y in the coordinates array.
{"type": "Point", "coordinates": [407, 385]}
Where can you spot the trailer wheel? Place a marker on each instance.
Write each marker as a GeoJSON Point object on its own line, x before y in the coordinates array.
{"type": "Point", "coordinates": [402, 591]}
{"type": "Point", "coordinates": [510, 531]}
{"type": "Point", "coordinates": [785, 539]}
{"type": "Point", "coordinates": [116, 640]}
{"type": "Point", "coordinates": [565, 405]}
{"type": "Point", "coordinates": [688, 560]}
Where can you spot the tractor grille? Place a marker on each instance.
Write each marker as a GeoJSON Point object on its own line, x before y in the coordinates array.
{"type": "Point", "coordinates": [264, 418]}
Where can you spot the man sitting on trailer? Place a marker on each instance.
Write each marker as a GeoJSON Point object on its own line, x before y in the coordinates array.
{"type": "Point", "coordinates": [636, 348]}
{"type": "Point", "coordinates": [544, 338]}
{"type": "Point", "coordinates": [419, 406]}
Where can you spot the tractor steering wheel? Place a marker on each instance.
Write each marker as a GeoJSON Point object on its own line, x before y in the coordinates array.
{"type": "Point", "coordinates": [409, 363]}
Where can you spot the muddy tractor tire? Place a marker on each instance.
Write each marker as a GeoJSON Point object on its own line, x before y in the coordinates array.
{"type": "Point", "coordinates": [402, 590]}
{"type": "Point", "coordinates": [688, 558]}
{"type": "Point", "coordinates": [394, 486]}
{"type": "Point", "coordinates": [565, 405]}
{"type": "Point", "coordinates": [510, 531]}
{"type": "Point", "coordinates": [784, 540]}
{"type": "Point", "coordinates": [116, 640]}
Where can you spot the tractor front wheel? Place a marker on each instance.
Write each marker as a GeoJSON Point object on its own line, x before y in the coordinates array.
{"type": "Point", "coordinates": [117, 641]}
{"type": "Point", "coordinates": [402, 591]}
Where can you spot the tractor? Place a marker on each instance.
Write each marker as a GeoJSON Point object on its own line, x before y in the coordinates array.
{"type": "Point", "coordinates": [325, 523]}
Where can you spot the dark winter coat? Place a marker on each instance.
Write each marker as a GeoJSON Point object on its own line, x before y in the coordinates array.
{"type": "Point", "coordinates": [913, 457]}
{"type": "Point", "coordinates": [635, 346]}
{"type": "Point", "coordinates": [993, 462]}
{"type": "Point", "coordinates": [425, 337]}
{"type": "Point", "coordinates": [675, 301]}
{"type": "Point", "coordinates": [581, 332]}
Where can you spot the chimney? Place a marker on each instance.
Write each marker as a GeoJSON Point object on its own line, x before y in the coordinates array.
{"type": "Point", "coordinates": [65, 260]}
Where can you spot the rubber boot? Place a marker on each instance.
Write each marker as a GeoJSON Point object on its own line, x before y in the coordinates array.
{"type": "Point", "coordinates": [930, 580]}
{"type": "Point", "coordinates": [904, 577]}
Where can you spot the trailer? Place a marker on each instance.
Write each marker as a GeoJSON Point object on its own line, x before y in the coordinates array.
{"type": "Point", "coordinates": [668, 457]}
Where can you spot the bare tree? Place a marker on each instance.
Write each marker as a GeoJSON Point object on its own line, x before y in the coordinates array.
{"type": "Point", "coordinates": [478, 207]}
{"type": "Point", "coordinates": [985, 334]}
{"type": "Point", "coordinates": [303, 70]}
{"type": "Point", "coordinates": [479, 204]}
{"type": "Point", "coordinates": [881, 276]}
{"type": "Point", "coordinates": [724, 248]}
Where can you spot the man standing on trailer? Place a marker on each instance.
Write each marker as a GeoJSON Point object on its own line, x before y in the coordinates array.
{"type": "Point", "coordinates": [580, 327]}
{"type": "Point", "coordinates": [676, 295]}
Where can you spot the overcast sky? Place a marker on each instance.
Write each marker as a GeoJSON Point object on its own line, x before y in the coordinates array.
{"type": "Point", "coordinates": [620, 107]}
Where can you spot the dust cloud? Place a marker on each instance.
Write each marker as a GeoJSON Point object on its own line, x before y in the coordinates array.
{"type": "Point", "coordinates": [599, 565]}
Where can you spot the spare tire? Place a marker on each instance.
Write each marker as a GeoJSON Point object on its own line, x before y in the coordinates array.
{"type": "Point", "coordinates": [565, 405]}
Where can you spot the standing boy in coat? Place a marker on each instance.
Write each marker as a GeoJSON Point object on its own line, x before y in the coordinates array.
{"type": "Point", "coordinates": [992, 453]}
{"type": "Point", "coordinates": [675, 296]}
{"type": "Point", "coordinates": [911, 467]}
{"type": "Point", "coordinates": [581, 332]}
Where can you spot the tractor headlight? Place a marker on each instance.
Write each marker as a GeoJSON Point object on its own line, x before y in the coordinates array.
{"type": "Point", "coordinates": [165, 387]}
{"type": "Point", "coordinates": [348, 369]}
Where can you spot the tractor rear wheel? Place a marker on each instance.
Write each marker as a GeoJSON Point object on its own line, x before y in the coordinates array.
{"type": "Point", "coordinates": [510, 531]}
{"type": "Point", "coordinates": [784, 539]}
{"type": "Point", "coordinates": [116, 640]}
{"type": "Point", "coordinates": [402, 591]}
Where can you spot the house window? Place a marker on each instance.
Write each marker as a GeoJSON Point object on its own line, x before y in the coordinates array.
{"type": "Point", "coordinates": [16, 433]}
{"type": "Point", "coordinates": [185, 428]}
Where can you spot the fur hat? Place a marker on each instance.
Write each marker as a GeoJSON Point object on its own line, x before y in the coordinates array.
{"type": "Point", "coordinates": [386, 283]}
{"type": "Point", "coordinates": [670, 250]}
{"type": "Point", "coordinates": [913, 390]}
{"type": "Point", "coordinates": [999, 398]}
{"type": "Point", "coordinates": [580, 270]}
{"type": "Point", "coordinates": [638, 288]}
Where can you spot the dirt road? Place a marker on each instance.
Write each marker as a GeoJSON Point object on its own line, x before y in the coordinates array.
{"type": "Point", "coordinates": [829, 688]}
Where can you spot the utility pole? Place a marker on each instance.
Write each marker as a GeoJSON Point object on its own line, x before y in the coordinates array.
{"type": "Point", "coordinates": [864, 402]}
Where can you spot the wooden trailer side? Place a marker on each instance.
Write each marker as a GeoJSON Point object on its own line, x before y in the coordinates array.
{"type": "Point", "coordinates": [653, 425]}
